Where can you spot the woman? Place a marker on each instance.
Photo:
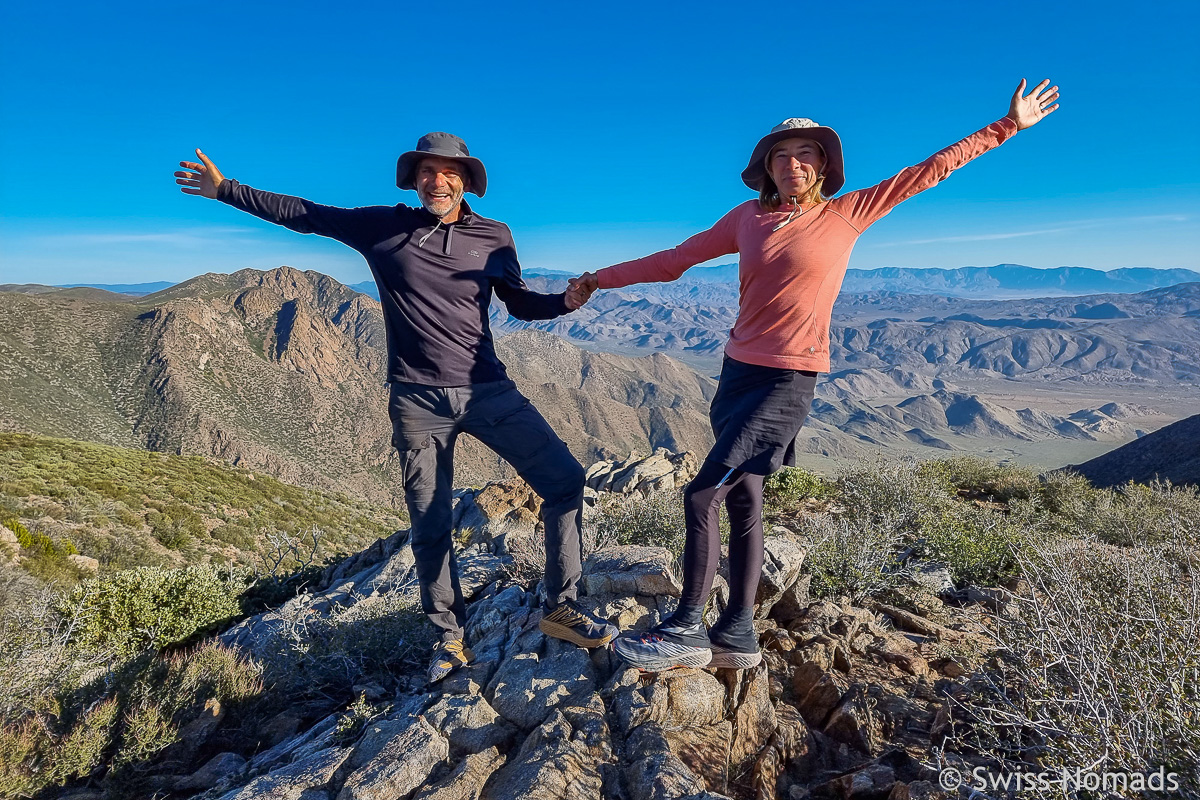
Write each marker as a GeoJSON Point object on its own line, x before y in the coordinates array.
{"type": "Point", "coordinates": [794, 244]}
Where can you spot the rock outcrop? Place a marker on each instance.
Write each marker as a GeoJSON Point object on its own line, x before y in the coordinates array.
{"type": "Point", "coordinates": [663, 470]}
{"type": "Point", "coordinates": [844, 705]}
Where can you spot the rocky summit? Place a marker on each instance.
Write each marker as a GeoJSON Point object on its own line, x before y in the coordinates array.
{"type": "Point", "coordinates": [847, 703]}
{"type": "Point", "coordinates": [844, 705]}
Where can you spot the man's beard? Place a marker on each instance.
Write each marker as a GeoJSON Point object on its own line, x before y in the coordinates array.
{"type": "Point", "coordinates": [447, 206]}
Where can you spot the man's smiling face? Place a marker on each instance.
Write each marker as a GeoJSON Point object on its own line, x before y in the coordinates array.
{"type": "Point", "coordinates": [440, 183]}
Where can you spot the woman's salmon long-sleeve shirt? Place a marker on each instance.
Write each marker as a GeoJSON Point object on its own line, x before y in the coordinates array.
{"type": "Point", "coordinates": [790, 277]}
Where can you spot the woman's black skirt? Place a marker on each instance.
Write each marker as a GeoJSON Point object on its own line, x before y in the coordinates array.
{"type": "Point", "coordinates": [756, 415]}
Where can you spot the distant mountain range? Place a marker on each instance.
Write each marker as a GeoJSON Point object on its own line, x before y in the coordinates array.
{"type": "Point", "coordinates": [282, 371]}
{"type": "Point", "coordinates": [1151, 336]}
{"type": "Point", "coordinates": [1000, 281]}
{"type": "Point", "coordinates": [1013, 281]}
{"type": "Point", "coordinates": [135, 289]}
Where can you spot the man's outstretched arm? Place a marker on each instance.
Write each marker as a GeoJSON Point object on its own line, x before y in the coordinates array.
{"type": "Point", "coordinates": [521, 301]}
{"type": "Point", "coordinates": [295, 213]}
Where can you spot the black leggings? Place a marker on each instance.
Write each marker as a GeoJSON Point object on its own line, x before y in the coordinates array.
{"type": "Point", "coordinates": [743, 496]}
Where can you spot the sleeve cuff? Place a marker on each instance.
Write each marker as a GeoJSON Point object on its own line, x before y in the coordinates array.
{"type": "Point", "coordinates": [602, 279]}
{"type": "Point", "coordinates": [226, 189]}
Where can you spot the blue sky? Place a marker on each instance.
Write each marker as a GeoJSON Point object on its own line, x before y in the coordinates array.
{"type": "Point", "coordinates": [609, 130]}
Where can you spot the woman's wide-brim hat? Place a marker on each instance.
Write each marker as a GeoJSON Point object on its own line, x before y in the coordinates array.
{"type": "Point", "coordinates": [440, 145]}
{"type": "Point", "coordinates": [798, 128]}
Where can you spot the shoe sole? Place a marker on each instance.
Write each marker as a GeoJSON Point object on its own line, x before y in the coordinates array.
{"type": "Point", "coordinates": [568, 635]}
{"type": "Point", "coordinates": [695, 660]}
{"type": "Point", "coordinates": [727, 660]}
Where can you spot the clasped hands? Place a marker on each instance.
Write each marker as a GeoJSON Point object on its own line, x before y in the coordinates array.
{"type": "Point", "coordinates": [580, 290]}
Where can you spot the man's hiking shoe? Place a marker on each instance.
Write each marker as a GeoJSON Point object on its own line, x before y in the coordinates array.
{"type": "Point", "coordinates": [734, 649]}
{"type": "Point", "coordinates": [447, 657]}
{"type": "Point", "coordinates": [571, 623]}
{"type": "Point", "coordinates": [666, 646]}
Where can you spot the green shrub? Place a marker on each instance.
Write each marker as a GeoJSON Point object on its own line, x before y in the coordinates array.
{"type": "Point", "coordinates": [1134, 514]}
{"type": "Point", "coordinates": [150, 607]}
{"type": "Point", "coordinates": [39, 545]}
{"type": "Point", "coordinates": [32, 759]}
{"type": "Point", "coordinates": [790, 485]}
{"type": "Point", "coordinates": [11, 522]}
{"type": "Point", "coordinates": [175, 525]}
{"type": "Point", "coordinates": [655, 521]}
{"type": "Point", "coordinates": [358, 715]}
{"type": "Point", "coordinates": [129, 519]}
{"type": "Point", "coordinates": [978, 476]}
{"type": "Point", "coordinates": [979, 545]}
{"type": "Point", "coordinates": [374, 639]}
{"type": "Point", "coordinates": [122, 720]}
{"type": "Point", "coordinates": [897, 493]}
{"type": "Point", "coordinates": [1063, 489]}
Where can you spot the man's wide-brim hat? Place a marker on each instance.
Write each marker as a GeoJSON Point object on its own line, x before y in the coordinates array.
{"type": "Point", "coordinates": [440, 145]}
{"type": "Point", "coordinates": [755, 172]}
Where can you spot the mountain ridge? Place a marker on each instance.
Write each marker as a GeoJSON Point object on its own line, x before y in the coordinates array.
{"type": "Point", "coordinates": [1011, 281]}
{"type": "Point", "coordinates": [1171, 453]}
{"type": "Point", "coordinates": [283, 371]}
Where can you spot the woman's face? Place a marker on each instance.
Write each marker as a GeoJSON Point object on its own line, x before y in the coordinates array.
{"type": "Point", "coordinates": [794, 165]}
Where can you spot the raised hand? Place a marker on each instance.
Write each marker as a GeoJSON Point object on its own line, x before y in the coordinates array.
{"type": "Point", "coordinates": [1031, 109]}
{"type": "Point", "coordinates": [204, 178]}
{"type": "Point", "coordinates": [580, 290]}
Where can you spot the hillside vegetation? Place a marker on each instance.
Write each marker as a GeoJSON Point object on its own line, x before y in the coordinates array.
{"type": "Point", "coordinates": [132, 508]}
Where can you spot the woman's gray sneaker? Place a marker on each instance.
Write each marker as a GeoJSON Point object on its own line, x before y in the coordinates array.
{"type": "Point", "coordinates": [732, 659]}
{"type": "Point", "coordinates": [734, 645]}
{"type": "Point", "coordinates": [666, 646]}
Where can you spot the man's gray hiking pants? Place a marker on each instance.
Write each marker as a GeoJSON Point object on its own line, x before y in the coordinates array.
{"type": "Point", "coordinates": [426, 421]}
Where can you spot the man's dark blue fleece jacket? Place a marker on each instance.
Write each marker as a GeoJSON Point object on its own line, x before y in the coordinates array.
{"type": "Point", "coordinates": [435, 295]}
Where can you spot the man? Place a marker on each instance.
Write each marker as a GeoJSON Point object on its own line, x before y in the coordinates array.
{"type": "Point", "coordinates": [436, 267]}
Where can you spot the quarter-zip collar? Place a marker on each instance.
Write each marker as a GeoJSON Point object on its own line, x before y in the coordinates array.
{"type": "Point", "coordinates": [466, 217]}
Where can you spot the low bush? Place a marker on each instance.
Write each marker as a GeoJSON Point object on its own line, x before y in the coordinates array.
{"type": "Point", "coordinates": [1134, 514]}
{"type": "Point", "coordinates": [979, 545]}
{"type": "Point", "coordinates": [898, 493]}
{"type": "Point", "coordinates": [656, 521]}
{"type": "Point", "coordinates": [791, 485]}
{"type": "Point", "coordinates": [1099, 667]}
{"type": "Point", "coordinates": [124, 720]}
{"type": "Point", "coordinates": [151, 607]}
{"type": "Point", "coordinates": [1064, 488]}
{"type": "Point", "coordinates": [32, 758]}
{"type": "Point", "coordinates": [358, 715]}
{"type": "Point", "coordinates": [852, 558]}
{"type": "Point", "coordinates": [980, 477]}
{"type": "Point", "coordinates": [322, 656]}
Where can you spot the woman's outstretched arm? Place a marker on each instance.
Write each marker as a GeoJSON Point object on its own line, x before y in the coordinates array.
{"type": "Point", "coordinates": [866, 206]}
{"type": "Point", "coordinates": [667, 265]}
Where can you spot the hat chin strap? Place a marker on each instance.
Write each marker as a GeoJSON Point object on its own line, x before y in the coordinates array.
{"type": "Point", "coordinates": [440, 218]}
{"type": "Point", "coordinates": [795, 207]}
{"type": "Point", "coordinates": [425, 238]}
